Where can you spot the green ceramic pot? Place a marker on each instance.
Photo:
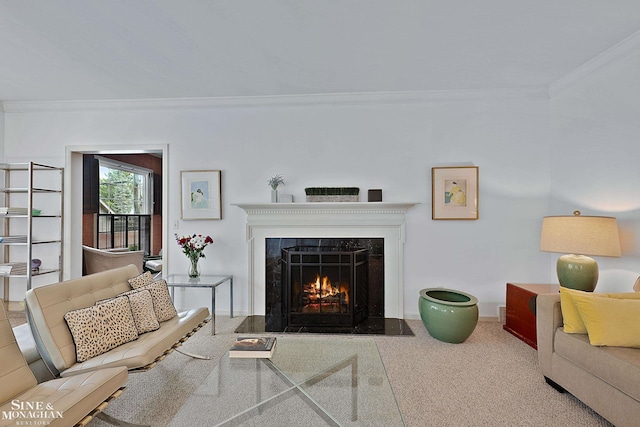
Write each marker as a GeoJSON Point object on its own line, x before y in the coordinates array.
{"type": "Point", "coordinates": [449, 316]}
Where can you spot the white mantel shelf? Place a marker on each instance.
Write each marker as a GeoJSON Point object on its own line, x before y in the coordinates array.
{"type": "Point", "coordinates": [337, 213]}
{"type": "Point", "coordinates": [317, 220]}
{"type": "Point", "coordinates": [318, 207]}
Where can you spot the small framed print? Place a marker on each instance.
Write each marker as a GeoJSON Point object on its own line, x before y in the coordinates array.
{"type": "Point", "coordinates": [454, 192]}
{"type": "Point", "coordinates": [200, 195]}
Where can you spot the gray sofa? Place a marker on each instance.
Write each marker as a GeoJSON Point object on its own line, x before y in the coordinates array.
{"type": "Point", "coordinates": [607, 379]}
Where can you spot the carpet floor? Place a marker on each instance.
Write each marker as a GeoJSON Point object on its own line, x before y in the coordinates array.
{"type": "Point", "coordinates": [492, 379]}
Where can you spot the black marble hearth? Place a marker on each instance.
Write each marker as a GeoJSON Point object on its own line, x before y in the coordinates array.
{"type": "Point", "coordinates": [369, 326]}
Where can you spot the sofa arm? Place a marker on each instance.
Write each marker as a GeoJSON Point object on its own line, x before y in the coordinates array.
{"type": "Point", "coordinates": [548, 320]}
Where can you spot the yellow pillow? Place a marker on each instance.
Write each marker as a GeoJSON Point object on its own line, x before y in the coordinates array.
{"type": "Point", "coordinates": [573, 323]}
{"type": "Point", "coordinates": [610, 321]}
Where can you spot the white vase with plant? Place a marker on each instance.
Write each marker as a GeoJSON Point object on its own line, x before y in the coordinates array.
{"type": "Point", "coordinates": [274, 182]}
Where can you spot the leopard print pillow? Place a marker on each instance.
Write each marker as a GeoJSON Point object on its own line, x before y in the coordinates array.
{"type": "Point", "coordinates": [100, 328]}
{"type": "Point", "coordinates": [141, 303]}
{"type": "Point", "coordinates": [140, 280]}
{"type": "Point", "coordinates": [143, 313]}
{"type": "Point", "coordinates": [162, 304]}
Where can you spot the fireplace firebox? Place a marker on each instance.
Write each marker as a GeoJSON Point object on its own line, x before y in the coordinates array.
{"type": "Point", "coordinates": [351, 269]}
{"type": "Point", "coordinates": [324, 286]}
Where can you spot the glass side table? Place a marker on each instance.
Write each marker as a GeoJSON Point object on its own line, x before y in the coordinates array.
{"type": "Point", "coordinates": [204, 281]}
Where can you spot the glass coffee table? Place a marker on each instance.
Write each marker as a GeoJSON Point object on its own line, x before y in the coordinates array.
{"type": "Point", "coordinates": [309, 381]}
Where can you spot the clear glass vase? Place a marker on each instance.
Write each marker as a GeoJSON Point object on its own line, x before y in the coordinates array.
{"type": "Point", "coordinates": [194, 271]}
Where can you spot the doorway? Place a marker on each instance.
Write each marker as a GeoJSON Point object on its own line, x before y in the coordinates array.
{"type": "Point", "coordinates": [73, 203]}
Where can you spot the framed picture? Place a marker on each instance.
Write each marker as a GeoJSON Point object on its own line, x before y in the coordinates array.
{"type": "Point", "coordinates": [454, 192]}
{"type": "Point", "coordinates": [200, 195]}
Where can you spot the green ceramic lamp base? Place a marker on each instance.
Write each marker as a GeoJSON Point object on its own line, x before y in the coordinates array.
{"type": "Point", "coordinates": [577, 272]}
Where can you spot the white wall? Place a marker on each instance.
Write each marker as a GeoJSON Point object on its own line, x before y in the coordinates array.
{"type": "Point", "coordinates": [595, 131]}
{"type": "Point", "coordinates": [369, 145]}
{"type": "Point", "coordinates": [1, 133]}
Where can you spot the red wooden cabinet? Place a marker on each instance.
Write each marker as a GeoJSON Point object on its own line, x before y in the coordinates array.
{"type": "Point", "coordinates": [521, 310]}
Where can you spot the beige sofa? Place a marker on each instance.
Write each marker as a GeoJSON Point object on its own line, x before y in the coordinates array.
{"type": "Point", "coordinates": [607, 379]}
{"type": "Point", "coordinates": [66, 401]}
{"type": "Point", "coordinates": [47, 305]}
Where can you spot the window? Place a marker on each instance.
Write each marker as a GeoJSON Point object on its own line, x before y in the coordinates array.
{"type": "Point", "coordinates": [124, 189]}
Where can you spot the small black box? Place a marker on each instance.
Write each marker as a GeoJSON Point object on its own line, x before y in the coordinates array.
{"type": "Point", "coordinates": [375, 195]}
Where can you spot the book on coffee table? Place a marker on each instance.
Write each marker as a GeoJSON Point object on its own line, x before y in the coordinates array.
{"type": "Point", "coordinates": [253, 347]}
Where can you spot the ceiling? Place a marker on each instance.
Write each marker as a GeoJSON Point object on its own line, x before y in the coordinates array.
{"type": "Point", "coordinates": [143, 49]}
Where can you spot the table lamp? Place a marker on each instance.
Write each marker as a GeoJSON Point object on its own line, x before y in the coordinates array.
{"type": "Point", "coordinates": [578, 236]}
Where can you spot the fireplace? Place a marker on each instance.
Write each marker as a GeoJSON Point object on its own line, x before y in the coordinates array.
{"type": "Point", "coordinates": [325, 286]}
{"type": "Point", "coordinates": [268, 222]}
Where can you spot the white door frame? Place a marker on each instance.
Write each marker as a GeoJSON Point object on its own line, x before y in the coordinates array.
{"type": "Point", "coordinates": [72, 248]}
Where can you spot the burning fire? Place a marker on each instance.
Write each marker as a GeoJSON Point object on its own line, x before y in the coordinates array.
{"type": "Point", "coordinates": [323, 289]}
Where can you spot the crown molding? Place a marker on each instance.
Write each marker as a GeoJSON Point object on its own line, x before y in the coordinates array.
{"type": "Point", "coordinates": [356, 98]}
{"type": "Point", "coordinates": [607, 58]}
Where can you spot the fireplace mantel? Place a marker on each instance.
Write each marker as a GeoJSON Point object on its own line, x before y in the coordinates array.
{"type": "Point", "coordinates": [351, 207]}
{"type": "Point", "coordinates": [316, 220]}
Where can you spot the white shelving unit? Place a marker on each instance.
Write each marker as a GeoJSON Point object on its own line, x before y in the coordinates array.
{"type": "Point", "coordinates": [33, 226]}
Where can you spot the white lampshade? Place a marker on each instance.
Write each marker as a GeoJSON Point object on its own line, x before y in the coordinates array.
{"type": "Point", "coordinates": [580, 235]}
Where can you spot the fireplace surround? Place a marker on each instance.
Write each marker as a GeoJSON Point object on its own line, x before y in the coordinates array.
{"type": "Point", "coordinates": [385, 220]}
